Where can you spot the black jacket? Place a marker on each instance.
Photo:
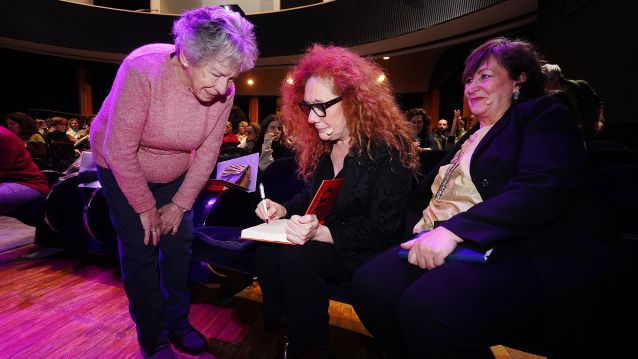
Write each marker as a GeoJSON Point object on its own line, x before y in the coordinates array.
{"type": "Point", "coordinates": [368, 213]}
{"type": "Point", "coordinates": [529, 170]}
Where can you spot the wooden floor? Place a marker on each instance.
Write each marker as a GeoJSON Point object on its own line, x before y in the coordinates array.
{"type": "Point", "coordinates": [71, 306]}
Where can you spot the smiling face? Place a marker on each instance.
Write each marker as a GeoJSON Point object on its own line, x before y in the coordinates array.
{"type": "Point", "coordinates": [332, 127]}
{"type": "Point", "coordinates": [489, 91]}
{"type": "Point", "coordinates": [208, 79]}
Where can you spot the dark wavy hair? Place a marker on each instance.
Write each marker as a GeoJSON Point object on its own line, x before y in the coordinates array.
{"type": "Point", "coordinates": [369, 106]}
{"type": "Point", "coordinates": [425, 131]}
{"type": "Point", "coordinates": [517, 57]}
{"type": "Point", "coordinates": [27, 124]}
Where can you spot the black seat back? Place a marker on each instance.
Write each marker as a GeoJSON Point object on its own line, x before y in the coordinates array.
{"type": "Point", "coordinates": [281, 180]}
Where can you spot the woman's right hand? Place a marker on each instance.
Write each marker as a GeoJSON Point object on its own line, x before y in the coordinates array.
{"type": "Point", "coordinates": [275, 210]}
{"type": "Point", "coordinates": [152, 223]}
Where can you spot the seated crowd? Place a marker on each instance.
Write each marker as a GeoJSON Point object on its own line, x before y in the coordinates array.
{"type": "Point", "coordinates": [510, 179]}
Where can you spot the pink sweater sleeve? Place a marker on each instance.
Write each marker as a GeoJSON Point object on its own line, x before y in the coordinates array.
{"type": "Point", "coordinates": [129, 109]}
{"type": "Point", "coordinates": [204, 161]}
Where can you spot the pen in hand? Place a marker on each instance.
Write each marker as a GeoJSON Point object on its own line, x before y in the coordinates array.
{"type": "Point", "coordinates": [262, 193]}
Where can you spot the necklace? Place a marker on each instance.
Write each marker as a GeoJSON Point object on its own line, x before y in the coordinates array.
{"type": "Point", "coordinates": [454, 164]}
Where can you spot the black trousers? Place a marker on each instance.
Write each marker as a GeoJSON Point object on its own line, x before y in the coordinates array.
{"type": "Point", "coordinates": [155, 277]}
{"type": "Point", "coordinates": [293, 281]}
{"type": "Point", "coordinates": [457, 310]}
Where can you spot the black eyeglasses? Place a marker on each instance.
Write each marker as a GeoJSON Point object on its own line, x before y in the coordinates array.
{"type": "Point", "coordinates": [318, 108]}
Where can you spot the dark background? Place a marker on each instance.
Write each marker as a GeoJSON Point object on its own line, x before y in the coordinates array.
{"type": "Point", "coordinates": [579, 35]}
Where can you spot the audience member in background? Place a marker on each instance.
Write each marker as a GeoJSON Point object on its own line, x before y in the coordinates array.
{"type": "Point", "coordinates": [229, 136]}
{"type": "Point", "coordinates": [26, 128]}
{"type": "Point", "coordinates": [420, 128]}
{"type": "Point", "coordinates": [252, 132]}
{"type": "Point", "coordinates": [41, 126]}
{"type": "Point", "coordinates": [74, 127]}
{"type": "Point", "coordinates": [343, 124]}
{"type": "Point", "coordinates": [237, 115]}
{"type": "Point", "coordinates": [86, 128]}
{"type": "Point", "coordinates": [271, 142]}
{"type": "Point", "coordinates": [456, 131]}
{"type": "Point", "coordinates": [60, 149]}
{"type": "Point", "coordinates": [151, 171]}
{"type": "Point", "coordinates": [83, 143]}
{"type": "Point", "coordinates": [514, 185]}
{"type": "Point", "coordinates": [21, 182]}
{"type": "Point", "coordinates": [57, 131]}
{"type": "Point", "coordinates": [241, 134]}
{"type": "Point", "coordinates": [585, 102]}
{"type": "Point", "coordinates": [229, 147]}
{"type": "Point", "coordinates": [440, 134]}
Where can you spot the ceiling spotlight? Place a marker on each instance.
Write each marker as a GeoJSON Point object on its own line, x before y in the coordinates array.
{"type": "Point", "coordinates": [250, 82]}
{"type": "Point", "coordinates": [386, 57]}
{"type": "Point", "coordinates": [235, 8]}
{"type": "Point", "coordinates": [290, 81]}
{"type": "Point", "coordinates": [381, 78]}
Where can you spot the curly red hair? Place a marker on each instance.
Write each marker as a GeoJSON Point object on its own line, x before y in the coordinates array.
{"type": "Point", "coordinates": [369, 106]}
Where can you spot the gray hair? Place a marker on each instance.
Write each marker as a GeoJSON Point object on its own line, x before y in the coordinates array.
{"type": "Point", "coordinates": [211, 31]}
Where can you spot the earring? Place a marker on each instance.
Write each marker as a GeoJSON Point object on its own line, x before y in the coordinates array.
{"type": "Point", "coordinates": [516, 95]}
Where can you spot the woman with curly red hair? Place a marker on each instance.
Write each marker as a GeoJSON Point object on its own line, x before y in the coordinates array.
{"type": "Point", "coordinates": [342, 123]}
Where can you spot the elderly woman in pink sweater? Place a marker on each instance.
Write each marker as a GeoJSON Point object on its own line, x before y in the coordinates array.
{"type": "Point", "coordinates": [151, 170]}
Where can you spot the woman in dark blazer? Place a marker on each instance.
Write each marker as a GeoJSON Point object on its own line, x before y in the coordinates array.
{"type": "Point", "coordinates": [513, 184]}
{"type": "Point", "coordinates": [345, 124]}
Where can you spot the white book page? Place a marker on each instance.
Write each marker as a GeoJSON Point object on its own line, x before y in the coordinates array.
{"type": "Point", "coordinates": [275, 231]}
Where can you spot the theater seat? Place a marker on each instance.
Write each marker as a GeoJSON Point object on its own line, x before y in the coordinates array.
{"type": "Point", "coordinates": [217, 242]}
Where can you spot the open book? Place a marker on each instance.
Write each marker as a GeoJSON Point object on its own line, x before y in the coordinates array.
{"type": "Point", "coordinates": [275, 231]}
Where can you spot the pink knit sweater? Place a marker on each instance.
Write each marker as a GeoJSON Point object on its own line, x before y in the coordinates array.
{"type": "Point", "coordinates": [151, 128]}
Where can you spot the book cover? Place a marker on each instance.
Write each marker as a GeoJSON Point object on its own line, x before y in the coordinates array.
{"type": "Point", "coordinates": [323, 199]}
{"type": "Point", "coordinates": [239, 172]}
{"type": "Point", "coordinates": [459, 254]}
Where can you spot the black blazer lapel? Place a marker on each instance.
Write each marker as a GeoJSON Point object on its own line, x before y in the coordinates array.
{"type": "Point", "coordinates": [498, 127]}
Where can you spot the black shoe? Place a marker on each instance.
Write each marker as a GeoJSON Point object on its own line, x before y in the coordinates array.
{"type": "Point", "coordinates": [162, 350]}
{"type": "Point", "coordinates": [188, 340]}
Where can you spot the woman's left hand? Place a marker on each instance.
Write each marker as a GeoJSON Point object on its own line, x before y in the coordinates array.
{"type": "Point", "coordinates": [429, 250]}
{"type": "Point", "coordinates": [171, 218]}
{"type": "Point", "coordinates": [301, 229]}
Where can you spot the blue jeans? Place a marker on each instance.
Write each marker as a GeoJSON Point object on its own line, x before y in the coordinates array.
{"type": "Point", "coordinates": [15, 195]}
{"type": "Point", "coordinates": [155, 277]}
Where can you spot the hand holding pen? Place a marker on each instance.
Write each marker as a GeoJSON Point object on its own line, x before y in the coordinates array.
{"type": "Point", "coordinates": [262, 194]}
{"type": "Point", "coordinates": [268, 210]}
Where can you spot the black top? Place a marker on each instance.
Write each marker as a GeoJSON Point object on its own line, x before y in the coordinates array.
{"type": "Point", "coordinates": [368, 213]}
